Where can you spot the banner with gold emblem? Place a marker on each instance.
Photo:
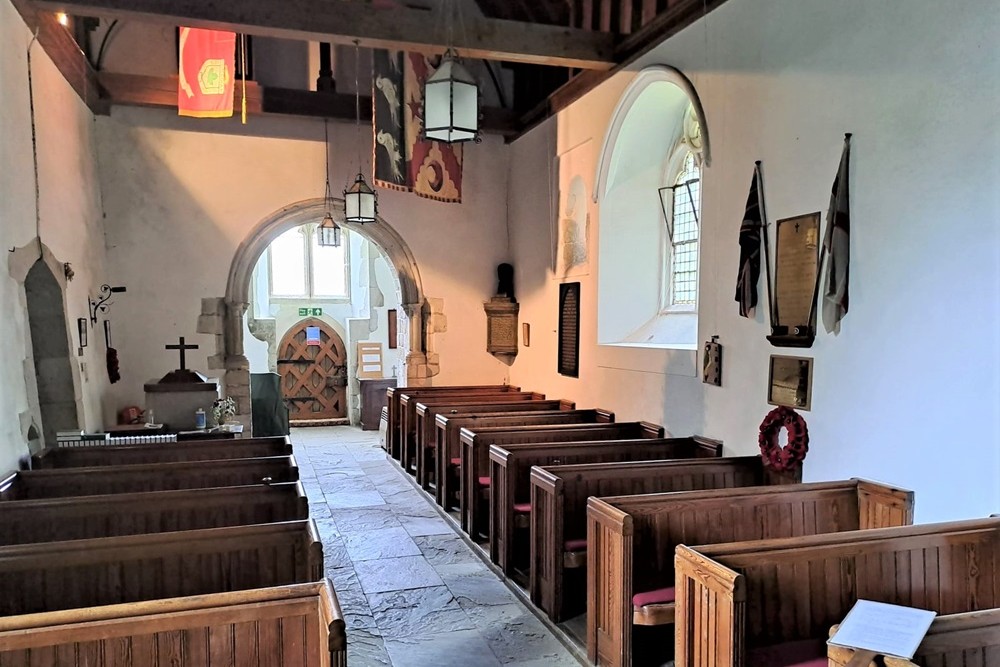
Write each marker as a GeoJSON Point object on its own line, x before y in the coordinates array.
{"type": "Point", "coordinates": [206, 72]}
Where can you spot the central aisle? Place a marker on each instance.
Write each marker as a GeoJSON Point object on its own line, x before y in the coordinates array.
{"type": "Point", "coordinates": [412, 591]}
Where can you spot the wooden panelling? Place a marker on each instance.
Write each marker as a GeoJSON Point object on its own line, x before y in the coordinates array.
{"type": "Point", "coordinates": [654, 525]}
{"type": "Point", "coordinates": [83, 517]}
{"type": "Point", "coordinates": [510, 467]}
{"type": "Point", "coordinates": [449, 444]}
{"type": "Point", "coordinates": [201, 450]}
{"type": "Point", "coordinates": [787, 590]}
{"type": "Point", "coordinates": [65, 482]}
{"type": "Point", "coordinates": [299, 625]}
{"type": "Point", "coordinates": [84, 573]}
{"type": "Point", "coordinates": [475, 456]}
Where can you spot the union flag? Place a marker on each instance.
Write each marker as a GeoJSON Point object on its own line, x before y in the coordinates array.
{"type": "Point", "coordinates": [206, 72]}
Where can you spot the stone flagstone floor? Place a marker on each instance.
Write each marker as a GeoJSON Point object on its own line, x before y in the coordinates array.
{"type": "Point", "coordinates": [412, 591]}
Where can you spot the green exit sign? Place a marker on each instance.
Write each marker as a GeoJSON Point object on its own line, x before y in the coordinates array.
{"type": "Point", "coordinates": [310, 312]}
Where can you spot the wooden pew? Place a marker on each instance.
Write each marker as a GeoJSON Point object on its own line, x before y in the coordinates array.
{"type": "Point", "coordinates": [631, 541]}
{"type": "Point", "coordinates": [64, 482]}
{"type": "Point", "coordinates": [393, 394]}
{"type": "Point", "coordinates": [52, 576]}
{"type": "Point", "coordinates": [475, 458]}
{"type": "Point", "coordinates": [85, 517]}
{"type": "Point", "coordinates": [449, 445]}
{"type": "Point", "coordinates": [954, 640]}
{"type": "Point", "coordinates": [510, 481]}
{"type": "Point", "coordinates": [559, 513]}
{"type": "Point", "coordinates": [769, 600]}
{"type": "Point", "coordinates": [408, 416]}
{"type": "Point", "coordinates": [299, 625]}
{"type": "Point", "coordinates": [425, 450]}
{"type": "Point", "coordinates": [198, 450]}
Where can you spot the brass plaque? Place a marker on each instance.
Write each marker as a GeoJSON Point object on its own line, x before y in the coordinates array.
{"type": "Point", "coordinates": [790, 382]}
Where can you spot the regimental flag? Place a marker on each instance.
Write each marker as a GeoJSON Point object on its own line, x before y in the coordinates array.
{"type": "Point", "coordinates": [206, 73]}
{"type": "Point", "coordinates": [750, 240]}
{"type": "Point", "coordinates": [837, 245]}
{"type": "Point", "coordinates": [404, 160]}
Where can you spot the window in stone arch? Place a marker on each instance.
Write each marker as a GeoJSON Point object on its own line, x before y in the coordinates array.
{"type": "Point", "coordinates": [302, 269]}
{"type": "Point", "coordinates": [683, 231]}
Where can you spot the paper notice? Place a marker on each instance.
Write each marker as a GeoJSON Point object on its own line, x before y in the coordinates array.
{"type": "Point", "coordinates": [886, 629]}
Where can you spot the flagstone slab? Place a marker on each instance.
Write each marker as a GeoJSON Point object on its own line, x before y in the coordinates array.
{"type": "Point", "coordinates": [396, 574]}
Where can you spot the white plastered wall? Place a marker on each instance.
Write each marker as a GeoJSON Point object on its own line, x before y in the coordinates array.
{"type": "Point", "coordinates": [71, 227]}
{"type": "Point", "coordinates": [908, 392]}
{"type": "Point", "coordinates": [181, 195]}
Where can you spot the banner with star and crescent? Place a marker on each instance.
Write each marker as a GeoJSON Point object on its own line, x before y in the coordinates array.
{"type": "Point", "coordinates": [403, 159]}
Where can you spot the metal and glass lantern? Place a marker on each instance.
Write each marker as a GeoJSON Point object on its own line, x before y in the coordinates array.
{"type": "Point", "coordinates": [360, 202]}
{"type": "Point", "coordinates": [451, 103]}
{"type": "Point", "coordinates": [328, 234]}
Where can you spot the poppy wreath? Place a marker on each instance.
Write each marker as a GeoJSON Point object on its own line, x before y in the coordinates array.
{"type": "Point", "coordinates": [791, 455]}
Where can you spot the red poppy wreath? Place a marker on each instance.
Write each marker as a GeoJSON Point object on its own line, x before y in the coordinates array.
{"type": "Point", "coordinates": [791, 455]}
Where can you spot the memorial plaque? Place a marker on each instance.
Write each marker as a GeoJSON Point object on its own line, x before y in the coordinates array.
{"type": "Point", "coordinates": [569, 329]}
{"type": "Point", "coordinates": [795, 279]}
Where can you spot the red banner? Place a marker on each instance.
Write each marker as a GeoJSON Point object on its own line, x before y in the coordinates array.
{"type": "Point", "coordinates": [206, 73]}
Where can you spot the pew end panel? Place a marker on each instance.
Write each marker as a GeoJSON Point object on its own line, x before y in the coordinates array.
{"type": "Point", "coordinates": [884, 506]}
{"type": "Point", "coordinates": [709, 602]}
{"type": "Point", "coordinates": [299, 625]}
{"type": "Point", "coordinates": [608, 531]}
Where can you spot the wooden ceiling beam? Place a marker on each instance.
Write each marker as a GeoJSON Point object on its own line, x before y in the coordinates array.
{"type": "Point", "coordinates": [680, 15]}
{"type": "Point", "coordinates": [342, 22]}
{"type": "Point", "coordinates": [161, 93]}
{"type": "Point", "coordinates": [65, 53]}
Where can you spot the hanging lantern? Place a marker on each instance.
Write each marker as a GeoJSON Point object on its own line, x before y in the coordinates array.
{"type": "Point", "coordinates": [328, 234]}
{"type": "Point", "coordinates": [359, 202]}
{"type": "Point", "coordinates": [451, 103]}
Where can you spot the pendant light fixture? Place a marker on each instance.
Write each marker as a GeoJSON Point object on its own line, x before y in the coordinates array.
{"type": "Point", "coordinates": [328, 234]}
{"type": "Point", "coordinates": [360, 201]}
{"type": "Point", "coordinates": [451, 98]}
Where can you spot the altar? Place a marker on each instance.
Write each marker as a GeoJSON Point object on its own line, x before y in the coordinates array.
{"type": "Point", "coordinates": [176, 397]}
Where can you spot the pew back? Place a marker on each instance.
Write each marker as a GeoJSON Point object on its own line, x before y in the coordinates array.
{"type": "Point", "coordinates": [426, 429]}
{"type": "Point", "coordinates": [196, 450]}
{"type": "Point", "coordinates": [510, 479]}
{"type": "Point", "coordinates": [299, 625]}
{"type": "Point", "coordinates": [392, 403]}
{"type": "Point", "coordinates": [634, 538]}
{"type": "Point", "coordinates": [450, 425]}
{"type": "Point", "coordinates": [64, 482]}
{"type": "Point", "coordinates": [769, 593]}
{"type": "Point", "coordinates": [474, 464]}
{"type": "Point", "coordinates": [85, 573]}
{"type": "Point", "coordinates": [84, 517]}
{"type": "Point", "coordinates": [559, 507]}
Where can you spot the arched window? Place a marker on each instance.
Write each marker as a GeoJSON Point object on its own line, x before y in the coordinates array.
{"type": "Point", "coordinates": [300, 268]}
{"type": "Point", "coordinates": [682, 211]}
{"type": "Point", "coordinates": [649, 218]}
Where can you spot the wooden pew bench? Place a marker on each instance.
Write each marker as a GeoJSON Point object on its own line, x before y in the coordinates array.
{"type": "Point", "coordinates": [408, 409]}
{"type": "Point", "coordinates": [299, 625]}
{"type": "Point", "coordinates": [631, 540]}
{"type": "Point", "coordinates": [392, 403]}
{"type": "Point", "coordinates": [65, 482]}
{"type": "Point", "coordinates": [559, 513]}
{"type": "Point", "coordinates": [198, 450]}
{"type": "Point", "coordinates": [475, 458]}
{"type": "Point", "coordinates": [84, 517]}
{"type": "Point", "coordinates": [52, 576]}
{"type": "Point", "coordinates": [510, 481]}
{"type": "Point", "coordinates": [954, 640]}
{"type": "Point", "coordinates": [449, 444]}
{"type": "Point", "coordinates": [771, 599]}
{"type": "Point", "coordinates": [426, 459]}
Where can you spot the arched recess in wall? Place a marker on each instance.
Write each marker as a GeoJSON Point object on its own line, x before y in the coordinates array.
{"type": "Point", "coordinates": [416, 308]}
{"type": "Point", "coordinates": [648, 185]}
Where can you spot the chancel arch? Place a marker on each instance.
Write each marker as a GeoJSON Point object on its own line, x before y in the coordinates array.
{"type": "Point", "coordinates": [419, 365]}
{"type": "Point", "coordinates": [649, 192]}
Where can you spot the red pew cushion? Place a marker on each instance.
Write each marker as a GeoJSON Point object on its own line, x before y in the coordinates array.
{"type": "Point", "coordinates": [522, 508]}
{"type": "Point", "coordinates": [484, 481]}
{"type": "Point", "coordinates": [455, 462]}
{"type": "Point", "coordinates": [659, 596]}
{"type": "Point", "coordinates": [576, 545]}
{"type": "Point", "coordinates": [805, 653]}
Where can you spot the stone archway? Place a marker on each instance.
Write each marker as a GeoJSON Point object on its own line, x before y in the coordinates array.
{"type": "Point", "coordinates": [223, 317]}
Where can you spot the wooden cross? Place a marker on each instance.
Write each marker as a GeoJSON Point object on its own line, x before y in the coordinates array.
{"type": "Point", "coordinates": [183, 348]}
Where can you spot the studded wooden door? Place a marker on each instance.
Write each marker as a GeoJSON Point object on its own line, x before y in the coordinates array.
{"type": "Point", "coordinates": [312, 361]}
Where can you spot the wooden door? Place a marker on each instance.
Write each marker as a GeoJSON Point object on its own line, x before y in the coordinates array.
{"type": "Point", "coordinates": [312, 361]}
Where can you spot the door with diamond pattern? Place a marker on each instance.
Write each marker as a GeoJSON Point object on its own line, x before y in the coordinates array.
{"type": "Point", "coordinates": [312, 361]}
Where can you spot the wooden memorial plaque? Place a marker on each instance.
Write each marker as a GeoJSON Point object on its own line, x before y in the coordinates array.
{"type": "Point", "coordinates": [569, 329]}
